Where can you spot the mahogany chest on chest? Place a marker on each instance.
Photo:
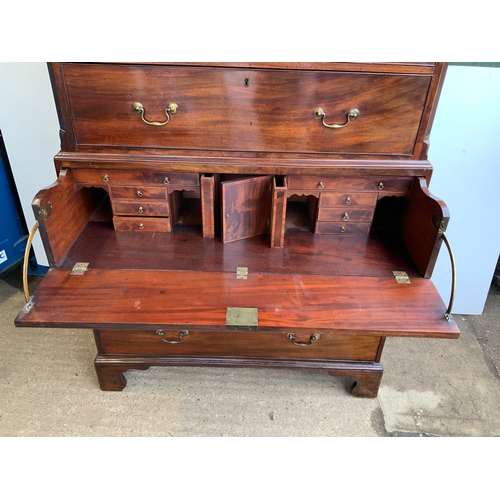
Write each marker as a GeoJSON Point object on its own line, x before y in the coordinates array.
{"type": "Point", "coordinates": [267, 214]}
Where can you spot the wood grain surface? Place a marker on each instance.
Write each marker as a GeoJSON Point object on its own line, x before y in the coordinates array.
{"type": "Point", "coordinates": [199, 300]}
{"type": "Point", "coordinates": [244, 109]}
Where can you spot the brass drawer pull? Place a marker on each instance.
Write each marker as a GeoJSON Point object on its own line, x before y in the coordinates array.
{"type": "Point", "coordinates": [291, 336]}
{"type": "Point", "coordinates": [140, 210]}
{"type": "Point", "coordinates": [171, 108]}
{"type": "Point", "coordinates": [342, 229]}
{"type": "Point", "coordinates": [345, 216]}
{"type": "Point", "coordinates": [348, 200]}
{"type": "Point", "coordinates": [319, 114]}
{"type": "Point", "coordinates": [141, 226]}
{"type": "Point", "coordinates": [105, 178]}
{"type": "Point", "coordinates": [139, 193]}
{"type": "Point", "coordinates": [182, 334]}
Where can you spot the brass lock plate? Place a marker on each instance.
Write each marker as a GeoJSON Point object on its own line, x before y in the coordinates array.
{"type": "Point", "coordinates": [242, 318]}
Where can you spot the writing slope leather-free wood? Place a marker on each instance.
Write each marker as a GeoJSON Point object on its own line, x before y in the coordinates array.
{"type": "Point", "coordinates": [199, 300]}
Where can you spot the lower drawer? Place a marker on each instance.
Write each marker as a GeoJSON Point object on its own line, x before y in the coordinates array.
{"type": "Point", "coordinates": [237, 343]}
{"type": "Point", "coordinates": [341, 227]}
{"type": "Point", "coordinates": [144, 224]}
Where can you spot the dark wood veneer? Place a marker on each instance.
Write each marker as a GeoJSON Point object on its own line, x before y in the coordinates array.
{"type": "Point", "coordinates": [243, 177]}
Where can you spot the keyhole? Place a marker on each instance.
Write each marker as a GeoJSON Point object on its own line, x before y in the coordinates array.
{"type": "Point", "coordinates": [246, 82]}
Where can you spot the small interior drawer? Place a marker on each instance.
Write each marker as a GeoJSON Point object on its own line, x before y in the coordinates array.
{"type": "Point", "coordinates": [337, 227]}
{"type": "Point", "coordinates": [105, 176]}
{"type": "Point", "coordinates": [137, 192]}
{"type": "Point", "coordinates": [334, 183]}
{"type": "Point", "coordinates": [142, 224]}
{"type": "Point", "coordinates": [345, 214]}
{"type": "Point", "coordinates": [347, 199]}
{"type": "Point", "coordinates": [139, 208]}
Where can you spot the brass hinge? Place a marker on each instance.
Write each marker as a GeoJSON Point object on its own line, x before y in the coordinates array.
{"type": "Point", "coordinates": [79, 268]}
{"type": "Point", "coordinates": [401, 277]}
{"type": "Point", "coordinates": [44, 213]}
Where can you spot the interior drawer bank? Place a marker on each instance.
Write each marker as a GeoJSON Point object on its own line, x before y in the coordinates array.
{"type": "Point", "coordinates": [237, 343]}
{"type": "Point", "coordinates": [243, 109]}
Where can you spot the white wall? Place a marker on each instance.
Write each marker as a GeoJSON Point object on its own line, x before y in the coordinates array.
{"type": "Point", "coordinates": [30, 129]}
{"type": "Point", "coordinates": [464, 148]}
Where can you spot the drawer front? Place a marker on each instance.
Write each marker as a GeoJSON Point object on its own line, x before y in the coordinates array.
{"type": "Point", "coordinates": [334, 199]}
{"type": "Point", "coordinates": [142, 224]}
{"type": "Point", "coordinates": [378, 184]}
{"type": "Point", "coordinates": [138, 192]}
{"type": "Point", "coordinates": [345, 214]}
{"type": "Point", "coordinates": [114, 177]}
{"type": "Point", "coordinates": [347, 228]}
{"type": "Point", "coordinates": [238, 109]}
{"type": "Point", "coordinates": [138, 208]}
{"type": "Point", "coordinates": [238, 343]}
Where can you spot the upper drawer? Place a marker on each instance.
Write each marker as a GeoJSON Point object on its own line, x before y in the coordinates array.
{"type": "Point", "coordinates": [234, 109]}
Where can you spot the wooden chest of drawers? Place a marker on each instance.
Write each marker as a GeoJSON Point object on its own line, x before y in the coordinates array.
{"type": "Point", "coordinates": [267, 215]}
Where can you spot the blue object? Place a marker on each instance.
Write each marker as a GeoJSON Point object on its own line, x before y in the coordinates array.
{"type": "Point", "coordinates": [13, 230]}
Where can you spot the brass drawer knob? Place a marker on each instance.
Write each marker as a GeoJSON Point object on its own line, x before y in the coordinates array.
{"type": "Point", "coordinates": [166, 180]}
{"type": "Point", "coordinates": [291, 336]}
{"type": "Point", "coordinates": [345, 216]}
{"type": "Point", "coordinates": [348, 200]}
{"type": "Point", "coordinates": [140, 210]}
{"type": "Point", "coordinates": [172, 108]}
{"type": "Point", "coordinates": [105, 178]}
{"type": "Point", "coordinates": [380, 185]}
{"type": "Point", "coordinates": [141, 226]}
{"type": "Point", "coordinates": [342, 229]}
{"type": "Point", "coordinates": [139, 193]}
{"type": "Point", "coordinates": [320, 185]}
{"type": "Point", "coordinates": [319, 114]}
